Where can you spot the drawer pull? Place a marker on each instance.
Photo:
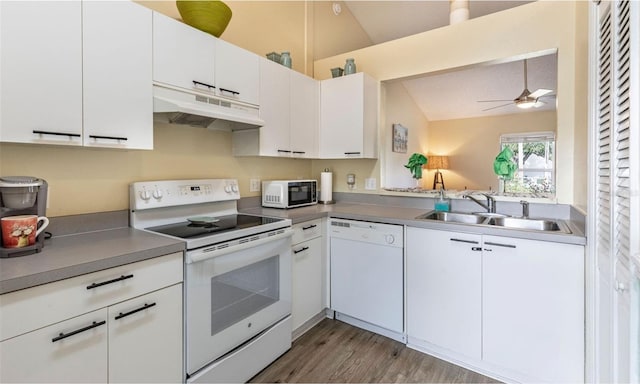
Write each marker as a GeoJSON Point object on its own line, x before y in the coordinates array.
{"type": "Point", "coordinates": [299, 152]}
{"type": "Point", "coordinates": [88, 327]}
{"type": "Point", "coordinates": [499, 245]}
{"type": "Point", "coordinates": [300, 250]}
{"type": "Point", "coordinates": [118, 138]}
{"type": "Point", "coordinates": [145, 306]}
{"type": "Point", "coordinates": [351, 153]}
{"type": "Point", "coordinates": [229, 91]}
{"type": "Point", "coordinates": [464, 241]}
{"type": "Point", "coordinates": [309, 227]}
{"type": "Point", "coordinates": [96, 285]}
{"type": "Point", "coordinates": [283, 151]}
{"type": "Point", "coordinates": [477, 249]}
{"type": "Point", "coordinates": [196, 83]}
{"type": "Point", "coordinates": [56, 133]}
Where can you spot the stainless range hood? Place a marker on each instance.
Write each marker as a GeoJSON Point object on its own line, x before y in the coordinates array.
{"type": "Point", "coordinates": [199, 109]}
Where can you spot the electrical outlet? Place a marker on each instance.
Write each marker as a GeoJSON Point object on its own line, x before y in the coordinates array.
{"type": "Point", "coordinates": [370, 183]}
{"type": "Point", "coordinates": [254, 185]}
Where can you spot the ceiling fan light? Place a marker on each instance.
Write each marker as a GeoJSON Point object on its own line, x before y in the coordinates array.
{"type": "Point", "coordinates": [525, 104]}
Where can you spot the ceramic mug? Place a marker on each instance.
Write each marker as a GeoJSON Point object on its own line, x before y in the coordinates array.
{"type": "Point", "coordinates": [21, 231]}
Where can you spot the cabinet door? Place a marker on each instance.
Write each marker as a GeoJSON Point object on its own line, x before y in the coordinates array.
{"type": "Point", "coordinates": [305, 103]}
{"type": "Point", "coordinates": [117, 67]}
{"type": "Point", "coordinates": [341, 118]}
{"type": "Point", "coordinates": [533, 308]}
{"type": "Point", "coordinates": [145, 338]}
{"type": "Point", "coordinates": [237, 73]}
{"type": "Point", "coordinates": [55, 354]}
{"type": "Point", "coordinates": [274, 109]}
{"type": "Point", "coordinates": [41, 72]}
{"type": "Point", "coordinates": [307, 281]}
{"type": "Point", "coordinates": [181, 54]}
{"type": "Point", "coordinates": [444, 289]}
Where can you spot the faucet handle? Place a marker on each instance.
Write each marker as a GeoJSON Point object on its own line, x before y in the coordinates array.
{"type": "Point", "coordinates": [525, 208]}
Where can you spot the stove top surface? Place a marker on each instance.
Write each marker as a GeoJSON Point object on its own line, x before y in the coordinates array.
{"type": "Point", "coordinates": [198, 228]}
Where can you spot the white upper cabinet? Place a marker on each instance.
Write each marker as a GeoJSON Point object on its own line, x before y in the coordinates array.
{"type": "Point", "coordinates": [70, 77]}
{"type": "Point", "coordinates": [41, 72]}
{"type": "Point", "coordinates": [237, 73]}
{"type": "Point", "coordinates": [289, 108]}
{"type": "Point", "coordinates": [118, 98]}
{"type": "Point", "coordinates": [182, 54]}
{"type": "Point", "coordinates": [349, 117]}
{"type": "Point", "coordinates": [305, 106]}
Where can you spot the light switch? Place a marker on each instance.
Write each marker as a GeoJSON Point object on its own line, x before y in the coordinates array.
{"type": "Point", "coordinates": [254, 185]}
{"type": "Point", "coordinates": [370, 183]}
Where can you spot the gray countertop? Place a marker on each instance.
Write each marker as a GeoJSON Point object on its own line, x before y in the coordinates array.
{"type": "Point", "coordinates": [407, 216]}
{"type": "Point", "coordinates": [67, 256]}
{"type": "Point", "coordinates": [73, 255]}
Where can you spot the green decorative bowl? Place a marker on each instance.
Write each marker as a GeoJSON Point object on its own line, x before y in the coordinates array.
{"type": "Point", "coordinates": [208, 16]}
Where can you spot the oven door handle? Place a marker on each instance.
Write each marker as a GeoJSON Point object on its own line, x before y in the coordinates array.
{"type": "Point", "coordinates": [201, 256]}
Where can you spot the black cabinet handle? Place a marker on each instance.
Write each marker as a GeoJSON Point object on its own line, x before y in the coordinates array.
{"type": "Point", "coordinates": [500, 245]}
{"type": "Point", "coordinates": [88, 327]}
{"type": "Point", "coordinates": [229, 91]}
{"type": "Point", "coordinates": [56, 133]}
{"type": "Point", "coordinates": [300, 250]}
{"type": "Point", "coordinates": [108, 137]}
{"type": "Point", "coordinates": [96, 285]}
{"type": "Point", "coordinates": [352, 153]}
{"type": "Point", "coordinates": [464, 241]}
{"type": "Point", "coordinates": [476, 249]}
{"type": "Point", "coordinates": [205, 84]}
{"type": "Point", "coordinates": [283, 151]}
{"type": "Point", "coordinates": [299, 152]}
{"type": "Point", "coordinates": [309, 227]}
{"type": "Point", "coordinates": [145, 306]}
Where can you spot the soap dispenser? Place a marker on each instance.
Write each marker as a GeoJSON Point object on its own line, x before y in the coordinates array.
{"type": "Point", "coordinates": [443, 204]}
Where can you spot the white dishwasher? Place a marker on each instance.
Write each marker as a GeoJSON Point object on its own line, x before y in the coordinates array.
{"type": "Point", "coordinates": [367, 282]}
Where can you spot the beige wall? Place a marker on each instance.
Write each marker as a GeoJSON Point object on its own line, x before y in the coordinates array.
{"type": "Point", "coordinates": [84, 180]}
{"type": "Point", "coordinates": [472, 145]}
{"type": "Point", "coordinates": [400, 108]}
{"type": "Point", "coordinates": [498, 37]}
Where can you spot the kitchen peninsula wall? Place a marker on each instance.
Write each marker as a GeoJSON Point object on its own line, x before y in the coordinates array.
{"type": "Point", "coordinates": [478, 41]}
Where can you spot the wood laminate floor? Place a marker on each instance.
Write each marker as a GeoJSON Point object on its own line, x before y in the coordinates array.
{"type": "Point", "coordinates": [336, 352]}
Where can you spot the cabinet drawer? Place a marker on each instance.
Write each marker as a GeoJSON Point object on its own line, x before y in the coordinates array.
{"type": "Point", "coordinates": [33, 308]}
{"type": "Point", "coordinates": [80, 357]}
{"type": "Point", "coordinates": [306, 231]}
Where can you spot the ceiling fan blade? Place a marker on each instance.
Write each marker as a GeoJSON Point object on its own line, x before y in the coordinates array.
{"type": "Point", "coordinates": [499, 106]}
{"type": "Point", "coordinates": [540, 92]}
{"type": "Point", "coordinates": [491, 101]}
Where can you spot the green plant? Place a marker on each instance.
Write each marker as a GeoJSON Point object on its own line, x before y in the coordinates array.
{"type": "Point", "coordinates": [415, 164]}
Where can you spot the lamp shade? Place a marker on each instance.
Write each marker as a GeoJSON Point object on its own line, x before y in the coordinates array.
{"type": "Point", "coordinates": [438, 162]}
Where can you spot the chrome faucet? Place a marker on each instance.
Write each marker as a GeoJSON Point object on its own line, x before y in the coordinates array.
{"type": "Point", "coordinates": [490, 206]}
{"type": "Point", "coordinates": [525, 209]}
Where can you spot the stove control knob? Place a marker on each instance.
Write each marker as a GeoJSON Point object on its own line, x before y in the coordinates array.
{"type": "Point", "coordinates": [227, 188]}
{"type": "Point", "coordinates": [157, 194]}
{"type": "Point", "coordinates": [234, 188]}
{"type": "Point", "coordinates": [145, 195]}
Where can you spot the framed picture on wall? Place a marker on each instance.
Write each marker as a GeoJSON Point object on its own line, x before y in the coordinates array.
{"type": "Point", "coordinates": [400, 137]}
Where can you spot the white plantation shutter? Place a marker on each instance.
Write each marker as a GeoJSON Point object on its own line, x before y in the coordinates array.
{"type": "Point", "coordinates": [617, 225]}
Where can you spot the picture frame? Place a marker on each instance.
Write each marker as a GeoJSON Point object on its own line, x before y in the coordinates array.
{"type": "Point", "coordinates": [400, 138]}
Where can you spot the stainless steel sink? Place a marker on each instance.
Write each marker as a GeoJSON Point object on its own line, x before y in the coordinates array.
{"type": "Point", "coordinates": [455, 217]}
{"type": "Point", "coordinates": [530, 224]}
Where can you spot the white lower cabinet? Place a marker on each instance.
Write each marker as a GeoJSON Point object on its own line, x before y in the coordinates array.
{"type": "Point", "coordinates": [307, 272]}
{"type": "Point", "coordinates": [533, 309]}
{"type": "Point", "coordinates": [145, 338]}
{"type": "Point", "coordinates": [444, 290]}
{"type": "Point", "coordinates": [54, 354]}
{"type": "Point", "coordinates": [509, 307]}
{"type": "Point", "coordinates": [135, 337]}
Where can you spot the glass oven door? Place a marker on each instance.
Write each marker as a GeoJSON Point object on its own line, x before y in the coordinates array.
{"type": "Point", "coordinates": [233, 294]}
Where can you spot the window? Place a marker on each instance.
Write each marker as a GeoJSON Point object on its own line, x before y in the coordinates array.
{"type": "Point", "coordinates": [534, 153]}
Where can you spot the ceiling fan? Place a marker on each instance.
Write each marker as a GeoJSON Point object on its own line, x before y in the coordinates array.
{"type": "Point", "coordinates": [526, 100]}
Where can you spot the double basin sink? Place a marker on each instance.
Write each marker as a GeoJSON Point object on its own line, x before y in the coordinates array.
{"type": "Point", "coordinates": [498, 220]}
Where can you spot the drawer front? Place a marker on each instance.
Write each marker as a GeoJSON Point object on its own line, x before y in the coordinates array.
{"type": "Point", "coordinates": [307, 230]}
{"type": "Point", "coordinates": [78, 354]}
{"type": "Point", "coordinates": [33, 308]}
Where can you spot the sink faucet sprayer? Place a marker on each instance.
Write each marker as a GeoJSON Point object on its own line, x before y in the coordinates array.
{"type": "Point", "coordinates": [490, 206]}
{"type": "Point", "coordinates": [525, 209]}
